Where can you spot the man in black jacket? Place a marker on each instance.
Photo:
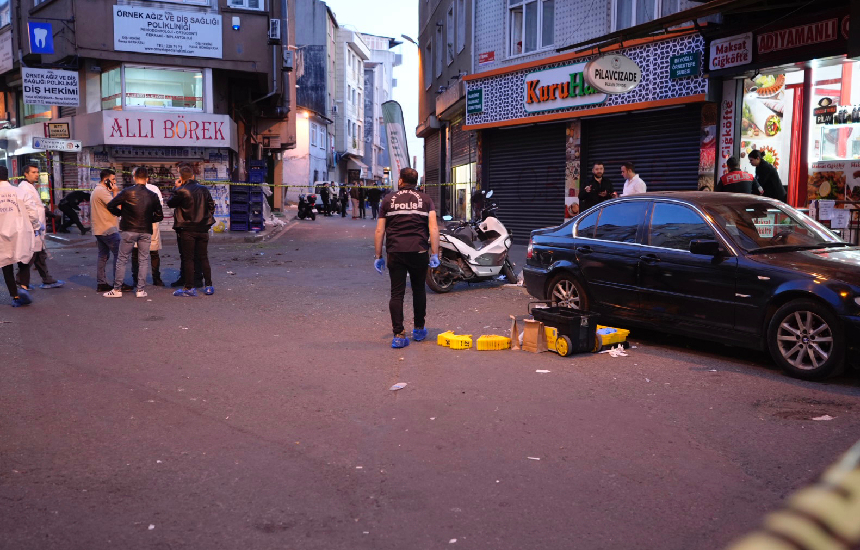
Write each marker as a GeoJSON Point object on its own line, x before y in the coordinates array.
{"type": "Point", "coordinates": [596, 189]}
{"type": "Point", "coordinates": [138, 208]}
{"type": "Point", "coordinates": [767, 176]}
{"type": "Point", "coordinates": [69, 205]}
{"type": "Point", "coordinates": [193, 215]}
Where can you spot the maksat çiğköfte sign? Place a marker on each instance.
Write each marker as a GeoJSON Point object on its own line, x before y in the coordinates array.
{"type": "Point", "coordinates": [559, 88]}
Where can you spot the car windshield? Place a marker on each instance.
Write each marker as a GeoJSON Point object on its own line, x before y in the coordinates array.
{"type": "Point", "coordinates": [759, 226]}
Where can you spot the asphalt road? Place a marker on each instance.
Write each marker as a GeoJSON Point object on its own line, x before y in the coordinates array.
{"type": "Point", "coordinates": [261, 418]}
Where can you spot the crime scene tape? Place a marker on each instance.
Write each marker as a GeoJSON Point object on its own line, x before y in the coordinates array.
{"type": "Point", "coordinates": [223, 182]}
{"type": "Point", "coordinates": [825, 516]}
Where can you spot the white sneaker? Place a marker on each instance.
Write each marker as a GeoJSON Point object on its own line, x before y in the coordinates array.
{"type": "Point", "coordinates": [113, 294]}
{"type": "Point", "coordinates": [141, 294]}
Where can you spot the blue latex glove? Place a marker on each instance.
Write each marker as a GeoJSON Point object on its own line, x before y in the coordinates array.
{"type": "Point", "coordinates": [434, 261]}
{"type": "Point", "coordinates": [379, 264]}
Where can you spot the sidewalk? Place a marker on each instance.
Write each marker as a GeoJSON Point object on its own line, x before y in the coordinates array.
{"type": "Point", "coordinates": [168, 236]}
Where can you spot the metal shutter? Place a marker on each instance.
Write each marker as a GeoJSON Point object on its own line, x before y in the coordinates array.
{"type": "Point", "coordinates": [462, 145]}
{"type": "Point", "coordinates": [70, 163]}
{"type": "Point", "coordinates": [662, 144]}
{"type": "Point", "coordinates": [432, 169]}
{"type": "Point", "coordinates": [68, 112]}
{"type": "Point", "coordinates": [525, 171]}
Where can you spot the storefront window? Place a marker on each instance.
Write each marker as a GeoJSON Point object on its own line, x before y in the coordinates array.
{"type": "Point", "coordinates": [5, 13]}
{"type": "Point", "coordinates": [36, 114]}
{"type": "Point", "coordinates": [152, 88]}
{"type": "Point", "coordinates": [112, 90]}
{"type": "Point", "coordinates": [767, 119]}
{"type": "Point", "coordinates": [463, 180]}
{"type": "Point", "coordinates": [163, 88]}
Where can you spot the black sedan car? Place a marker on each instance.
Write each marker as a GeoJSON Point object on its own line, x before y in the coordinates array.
{"type": "Point", "coordinates": [737, 269]}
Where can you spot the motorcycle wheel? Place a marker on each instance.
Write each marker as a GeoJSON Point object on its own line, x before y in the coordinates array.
{"type": "Point", "coordinates": [508, 272]}
{"type": "Point", "coordinates": [438, 284]}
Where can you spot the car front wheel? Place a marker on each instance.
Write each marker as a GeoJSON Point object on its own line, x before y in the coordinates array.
{"type": "Point", "coordinates": [567, 292]}
{"type": "Point", "coordinates": [806, 340]}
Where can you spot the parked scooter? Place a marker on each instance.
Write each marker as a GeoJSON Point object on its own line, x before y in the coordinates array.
{"type": "Point", "coordinates": [306, 206]}
{"type": "Point", "coordinates": [472, 252]}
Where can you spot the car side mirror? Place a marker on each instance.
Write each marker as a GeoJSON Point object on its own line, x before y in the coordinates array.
{"type": "Point", "coordinates": [705, 247]}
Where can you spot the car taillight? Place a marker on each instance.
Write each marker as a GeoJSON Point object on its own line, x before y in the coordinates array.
{"type": "Point", "coordinates": [530, 250]}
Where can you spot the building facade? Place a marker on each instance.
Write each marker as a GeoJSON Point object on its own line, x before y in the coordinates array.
{"type": "Point", "coordinates": [446, 42]}
{"type": "Point", "coordinates": [351, 55]}
{"type": "Point", "coordinates": [313, 160]}
{"type": "Point", "coordinates": [542, 120]}
{"type": "Point", "coordinates": [379, 86]}
{"type": "Point", "coordinates": [147, 84]}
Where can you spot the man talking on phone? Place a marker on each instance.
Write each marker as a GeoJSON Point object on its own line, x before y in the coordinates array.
{"type": "Point", "coordinates": [105, 227]}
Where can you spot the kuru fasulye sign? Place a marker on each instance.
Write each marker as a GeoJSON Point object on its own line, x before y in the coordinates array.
{"type": "Point", "coordinates": [146, 30]}
{"type": "Point", "coordinates": [50, 87]}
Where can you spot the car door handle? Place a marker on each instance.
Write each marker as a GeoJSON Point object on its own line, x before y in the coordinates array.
{"type": "Point", "coordinates": [584, 249]}
{"type": "Point", "coordinates": [649, 258]}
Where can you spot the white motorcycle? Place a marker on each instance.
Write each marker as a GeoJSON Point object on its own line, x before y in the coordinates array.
{"type": "Point", "coordinates": [472, 252]}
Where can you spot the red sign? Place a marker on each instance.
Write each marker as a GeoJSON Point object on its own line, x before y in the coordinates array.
{"type": "Point", "coordinates": [799, 37]}
{"type": "Point", "coordinates": [486, 57]}
{"type": "Point", "coordinates": [167, 129]}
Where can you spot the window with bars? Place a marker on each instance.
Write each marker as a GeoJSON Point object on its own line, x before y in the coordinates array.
{"type": "Point", "coordinates": [428, 66]}
{"type": "Point", "coordinates": [449, 47]}
{"type": "Point", "coordinates": [628, 13]}
{"type": "Point", "coordinates": [440, 50]}
{"type": "Point", "coordinates": [247, 4]}
{"type": "Point", "coordinates": [532, 25]}
{"type": "Point", "coordinates": [461, 25]}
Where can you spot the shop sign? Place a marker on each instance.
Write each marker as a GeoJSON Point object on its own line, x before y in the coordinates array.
{"type": "Point", "coordinates": [799, 37]}
{"type": "Point", "coordinates": [612, 74]}
{"type": "Point", "coordinates": [486, 57]}
{"type": "Point", "coordinates": [684, 65]}
{"type": "Point", "coordinates": [7, 58]}
{"type": "Point", "coordinates": [726, 125]}
{"type": "Point", "coordinates": [144, 30]}
{"type": "Point", "coordinates": [48, 144]}
{"type": "Point", "coordinates": [160, 129]}
{"type": "Point", "coordinates": [825, 111]}
{"type": "Point", "coordinates": [272, 141]}
{"type": "Point", "coordinates": [50, 87]}
{"type": "Point", "coordinates": [559, 88]}
{"type": "Point", "coordinates": [475, 101]}
{"type": "Point", "coordinates": [731, 51]}
{"type": "Point", "coordinates": [59, 130]}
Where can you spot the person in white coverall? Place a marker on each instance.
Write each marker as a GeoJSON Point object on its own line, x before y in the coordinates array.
{"type": "Point", "coordinates": [40, 256]}
{"type": "Point", "coordinates": [19, 229]}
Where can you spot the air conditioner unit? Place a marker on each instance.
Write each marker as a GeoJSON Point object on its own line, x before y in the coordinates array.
{"type": "Point", "coordinates": [275, 30]}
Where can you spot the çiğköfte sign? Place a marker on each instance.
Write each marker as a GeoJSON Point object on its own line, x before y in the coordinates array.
{"type": "Point", "coordinates": [560, 87]}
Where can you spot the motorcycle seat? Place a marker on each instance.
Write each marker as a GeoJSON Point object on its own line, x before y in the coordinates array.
{"type": "Point", "coordinates": [460, 236]}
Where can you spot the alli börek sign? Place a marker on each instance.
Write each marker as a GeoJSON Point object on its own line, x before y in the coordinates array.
{"type": "Point", "coordinates": [613, 74]}
{"type": "Point", "coordinates": [559, 88]}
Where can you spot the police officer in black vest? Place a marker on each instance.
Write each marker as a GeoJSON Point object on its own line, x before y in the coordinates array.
{"type": "Point", "coordinates": [407, 224]}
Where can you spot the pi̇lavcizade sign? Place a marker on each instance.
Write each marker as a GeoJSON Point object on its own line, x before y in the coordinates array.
{"type": "Point", "coordinates": [146, 30]}
{"type": "Point", "coordinates": [50, 87]}
{"type": "Point", "coordinates": [613, 74]}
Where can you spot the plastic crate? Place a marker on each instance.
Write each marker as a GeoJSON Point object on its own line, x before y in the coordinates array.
{"type": "Point", "coordinates": [239, 207]}
{"type": "Point", "coordinates": [577, 326]}
{"type": "Point", "coordinates": [493, 342]}
{"type": "Point", "coordinates": [239, 226]}
{"type": "Point", "coordinates": [618, 337]}
{"type": "Point", "coordinates": [239, 192]}
{"type": "Point", "coordinates": [239, 217]}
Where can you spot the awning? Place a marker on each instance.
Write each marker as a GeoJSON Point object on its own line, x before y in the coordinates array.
{"type": "Point", "coordinates": [352, 163]}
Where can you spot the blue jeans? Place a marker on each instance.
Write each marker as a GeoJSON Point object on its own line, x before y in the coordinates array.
{"type": "Point", "coordinates": [108, 244]}
{"type": "Point", "coordinates": [126, 247]}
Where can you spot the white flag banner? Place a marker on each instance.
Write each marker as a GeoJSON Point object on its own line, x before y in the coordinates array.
{"type": "Point", "coordinates": [398, 151]}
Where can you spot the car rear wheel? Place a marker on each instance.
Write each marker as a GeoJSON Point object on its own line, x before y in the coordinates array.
{"type": "Point", "coordinates": [568, 292]}
{"type": "Point", "coordinates": [806, 340]}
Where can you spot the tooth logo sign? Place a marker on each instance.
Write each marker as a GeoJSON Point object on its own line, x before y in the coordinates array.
{"type": "Point", "coordinates": [40, 35]}
{"type": "Point", "coordinates": [41, 38]}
